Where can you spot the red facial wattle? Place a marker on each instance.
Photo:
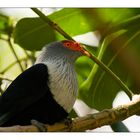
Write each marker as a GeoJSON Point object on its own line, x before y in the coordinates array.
{"type": "Point", "coordinates": [75, 46]}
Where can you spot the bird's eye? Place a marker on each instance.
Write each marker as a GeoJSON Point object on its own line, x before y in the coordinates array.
{"type": "Point", "coordinates": [67, 44]}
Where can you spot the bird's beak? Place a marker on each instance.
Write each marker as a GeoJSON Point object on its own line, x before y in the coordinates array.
{"type": "Point", "coordinates": [85, 52]}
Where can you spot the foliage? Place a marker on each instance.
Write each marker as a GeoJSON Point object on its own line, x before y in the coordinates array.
{"type": "Point", "coordinates": [119, 29]}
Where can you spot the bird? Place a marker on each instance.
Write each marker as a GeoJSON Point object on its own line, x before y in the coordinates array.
{"type": "Point", "coordinates": [46, 91]}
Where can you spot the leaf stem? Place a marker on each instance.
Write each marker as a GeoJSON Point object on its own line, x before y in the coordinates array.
{"type": "Point", "coordinates": [52, 24]}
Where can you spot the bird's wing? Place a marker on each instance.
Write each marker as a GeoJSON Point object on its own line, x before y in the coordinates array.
{"type": "Point", "coordinates": [26, 89]}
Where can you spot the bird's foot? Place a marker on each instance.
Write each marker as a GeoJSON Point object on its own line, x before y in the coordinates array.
{"type": "Point", "coordinates": [68, 122]}
{"type": "Point", "coordinates": [41, 127]}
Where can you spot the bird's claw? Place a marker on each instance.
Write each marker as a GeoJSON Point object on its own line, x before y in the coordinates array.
{"type": "Point", "coordinates": [68, 122]}
{"type": "Point", "coordinates": [41, 127]}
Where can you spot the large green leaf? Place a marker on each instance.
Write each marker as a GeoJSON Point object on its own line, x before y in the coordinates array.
{"type": "Point", "coordinates": [5, 24]}
{"type": "Point", "coordinates": [131, 23]}
{"type": "Point", "coordinates": [133, 62]}
{"type": "Point", "coordinates": [99, 90]}
{"type": "Point", "coordinates": [33, 33]}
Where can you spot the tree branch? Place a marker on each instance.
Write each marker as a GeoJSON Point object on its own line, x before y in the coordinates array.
{"type": "Point", "coordinates": [52, 24]}
{"type": "Point", "coordinates": [4, 78]}
{"type": "Point", "coordinates": [89, 122]}
{"type": "Point", "coordinates": [12, 64]}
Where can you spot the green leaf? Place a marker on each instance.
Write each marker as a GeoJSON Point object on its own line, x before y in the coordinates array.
{"type": "Point", "coordinates": [133, 63]}
{"type": "Point", "coordinates": [131, 23]}
{"type": "Point", "coordinates": [5, 24]}
{"type": "Point", "coordinates": [99, 90]}
{"type": "Point", "coordinates": [84, 65]}
{"type": "Point", "coordinates": [33, 33]}
{"type": "Point", "coordinates": [73, 114]}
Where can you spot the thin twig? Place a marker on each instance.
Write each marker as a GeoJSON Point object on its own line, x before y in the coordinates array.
{"type": "Point", "coordinates": [29, 56]}
{"type": "Point", "coordinates": [11, 47]}
{"type": "Point", "coordinates": [4, 78]}
{"type": "Point", "coordinates": [11, 65]}
{"type": "Point", "coordinates": [89, 122]}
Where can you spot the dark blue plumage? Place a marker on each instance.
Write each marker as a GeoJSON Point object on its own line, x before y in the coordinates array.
{"type": "Point", "coordinates": [29, 97]}
{"type": "Point", "coordinates": [47, 91]}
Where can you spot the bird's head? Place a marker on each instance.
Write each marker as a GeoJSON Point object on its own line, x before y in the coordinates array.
{"type": "Point", "coordinates": [65, 49]}
{"type": "Point", "coordinates": [75, 46]}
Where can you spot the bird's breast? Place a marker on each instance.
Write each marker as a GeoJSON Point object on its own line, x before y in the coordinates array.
{"type": "Point", "coordinates": [63, 84]}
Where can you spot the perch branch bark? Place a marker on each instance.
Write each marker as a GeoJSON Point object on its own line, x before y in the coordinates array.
{"type": "Point", "coordinates": [89, 122]}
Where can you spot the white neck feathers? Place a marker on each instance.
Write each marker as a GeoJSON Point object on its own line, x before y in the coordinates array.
{"type": "Point", "coordinates": [63, 82]}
